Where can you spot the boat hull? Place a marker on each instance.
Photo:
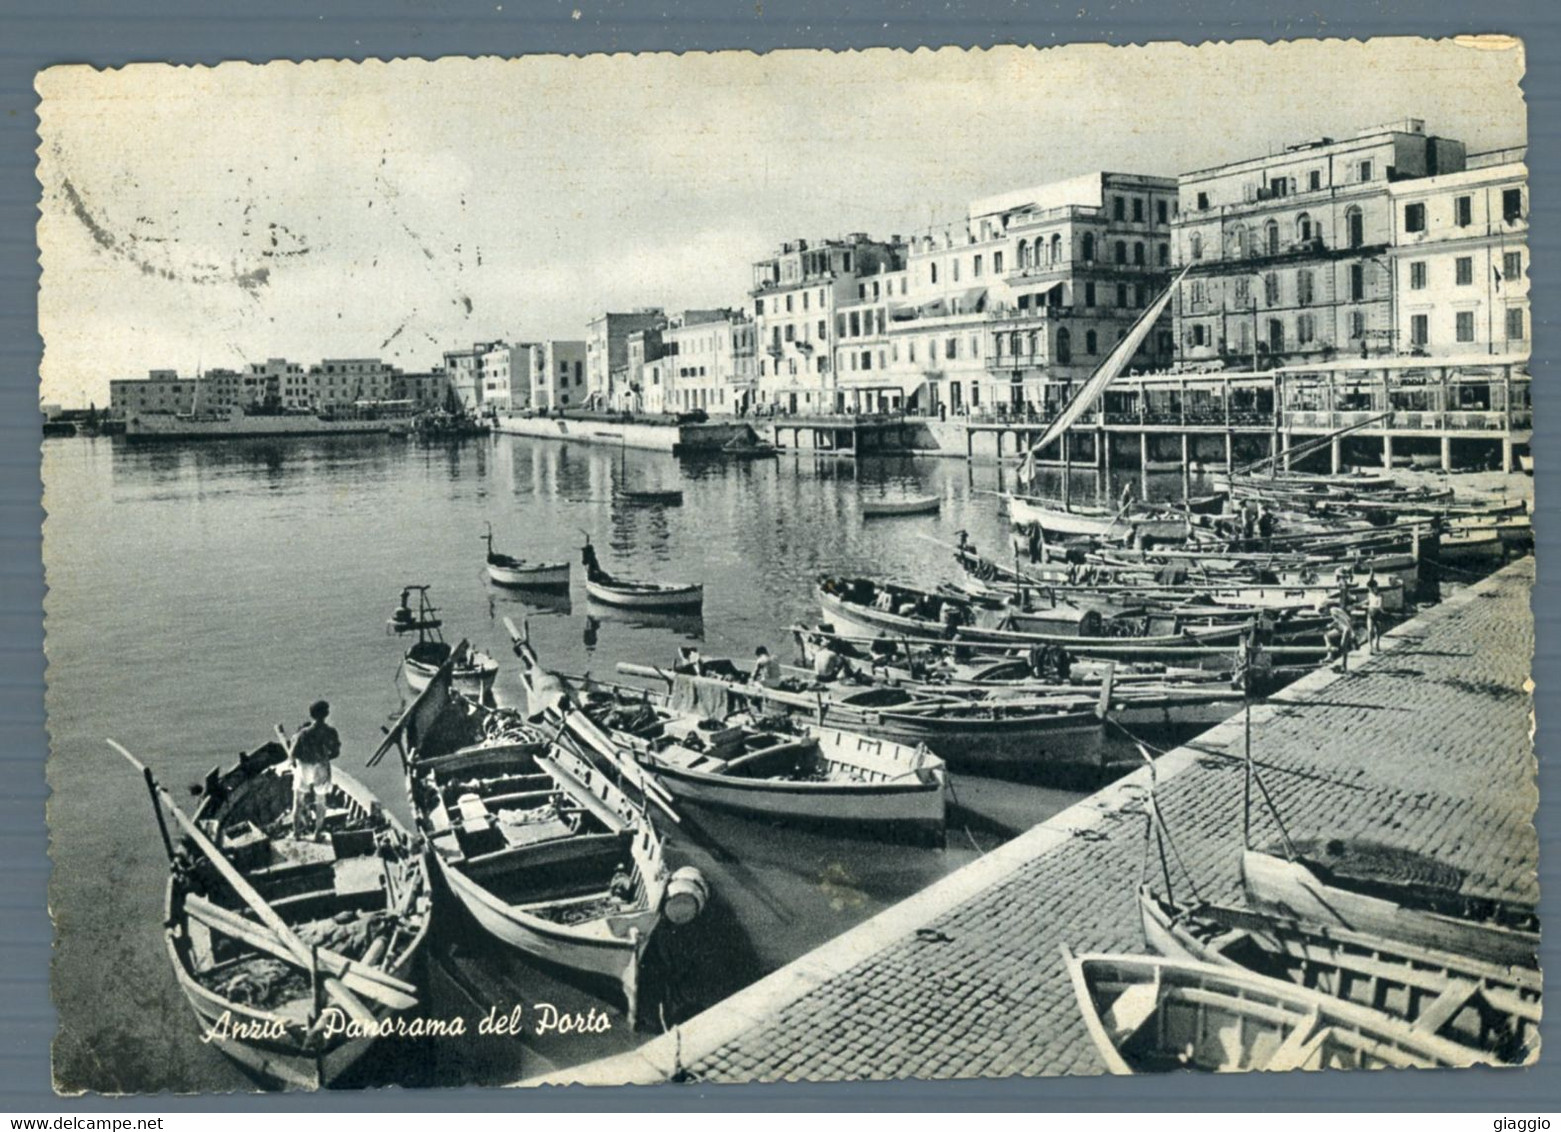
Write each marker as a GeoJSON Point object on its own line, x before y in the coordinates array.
{"type": "Point", "coordinates": [544, 575]}
{"type": "Point", "coordinates": [167, 426]}
{"type": "Point", "coordinates": [878, 508]}
{"type": "Point", "coordinates": [666, 597]}
{"type": "Point", "coordinates": [1021, 512]}
{"type": "Point", "coordinates": [1290, 888]}
{"type": "Point", "coordinates": [471, 680]}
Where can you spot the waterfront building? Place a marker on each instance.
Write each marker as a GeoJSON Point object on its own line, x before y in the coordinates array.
{"type": "Point", "coordinates": [1290, 254]}
{"type": "Point", "coordinates": [1459, 259]}
{"type": "Point", "coordinates": [161, 391]}
{"type": "Point", "coordinates": [339, 382]}
{"type": "Point", "coordinates": [558, 375]}
{"type": "Point", "coordinates": [644, 347]}
{"type": "Point", "coordinates": [427, 391]}
{"type": "Point", "coordinates": [504, 376]}
{"type": "Point", "coordinates": [607, 353]}
{"type": "Point", "coordinates": [709, 355]}
{"type": "Point", "coordinates": [463, 368]}
{"type": "Point", "coordinates": [796, 294]}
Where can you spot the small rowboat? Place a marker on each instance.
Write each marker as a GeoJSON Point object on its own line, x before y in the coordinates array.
{"type": "Point", "coordinates": [1152, 1015]}
{"type": "Point", "coordinates": [474, 672]}
{"type": "Point", "coordinates": [670, 497]}
{"type": "Point", "coordinates": [1360, 886]}
{"type": "Point", "coordinates": [915, 505]}
{"type": "Point", "coordinates": [627, 593]}
{"type": "Point", "coordinates": [546, 854]}
{"type": "Point", "coordinates": [295, 955]}
{"type": "Point", "coordinates": [1490, 1009]}
{"type": "Point", "coordinates": [508, 571]}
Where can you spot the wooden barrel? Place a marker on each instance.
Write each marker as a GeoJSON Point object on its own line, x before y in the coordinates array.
{"type": "Point", "coordinates": [687, 893]}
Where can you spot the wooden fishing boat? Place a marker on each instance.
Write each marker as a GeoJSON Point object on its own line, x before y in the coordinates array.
{"type": "Point", "coordinates": [1488, 1008]}
{"type": "Point", "coordinates": [627, 593]}
{"type": "Point", "coordinates": [1055, 518]}
{"type": "Point", "coordinates": [668, 497]}
{"type": "Point", "coordinates": [781, 769]}
{"type": "Point", "coordinates": [1149, 1014]}
{"type": "Point", "coordinates": [508, 571]}
{"type": "Point", "coordinates": [296, 955]}
{"type": "Point", "coordinates": [545, 853]}
{"type": "Point", "coordinates": [474, 672]}
{"type": "Point", "coordinates": [1361, 886]}
{"type": "Point", "coordinates": [913, 505]}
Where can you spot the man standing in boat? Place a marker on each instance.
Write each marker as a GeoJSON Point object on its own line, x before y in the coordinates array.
{"type": "Point", "coordinates": [313, 748]}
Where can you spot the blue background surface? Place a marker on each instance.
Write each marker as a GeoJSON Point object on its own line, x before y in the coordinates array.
{"type": "Point", "coordinates": [37, 33]}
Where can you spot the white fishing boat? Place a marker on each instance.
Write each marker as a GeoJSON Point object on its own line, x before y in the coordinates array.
{"type": "Point", "coordinates": [1326, 888]}
{"type": "Point", "coordinates": [1489, 1008]}
{"type": "Point", "coordinates": [295, 954]}
{"type": "Point", "coordinates": [1149, 1014]}
{"type": "Point", "coordinates": [627, 593]}
{"type": "Point", "coordinates": [540, 847]}
{"type": "Point", "coordinates": [1073, 520]}
{"type": "Point", "coordinates": [702, 747]}
{"type": "Point", "coordinates": [473, 671]}
{"type": "Point", "coordinates": [912, 505]}
{"type": "Point", "coordinates": [509, 571]}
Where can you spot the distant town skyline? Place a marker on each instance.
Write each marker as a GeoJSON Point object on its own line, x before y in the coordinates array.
{"type": "Point", "coordinates": [204, 218]}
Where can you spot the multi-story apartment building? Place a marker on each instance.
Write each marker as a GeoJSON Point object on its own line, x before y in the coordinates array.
{"type": "Point", "coordinates": [337, 382]}
{"type": "Point", "coordinates": [463, 368]}
{"type": "Point", "coordinates": [795, 295]}
{"type": "Point", "coordinates": [1290, 254]}
{"type": "Point", "coordinates": [160, 391]}
{"type": "Point", "coordinates": [607, 353]}
{"type": "Point", "coordinates": [1459, 260]}
{"type": "Point", "coordinates": [709, 358]}
{"type": "Point", "coordinates": [643, 348]}
{"type": "Point", "coordinates": [504, 376]}
{"type": "Point", "coordinates": [424, 390]}
{"type": "Point", "coordinates": [558, 375]}
{"type": "Point", "coordinates": [1015, 302]}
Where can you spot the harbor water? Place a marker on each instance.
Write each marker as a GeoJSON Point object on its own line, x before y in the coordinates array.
{"type": "Point", "coordinates": [201, 593]}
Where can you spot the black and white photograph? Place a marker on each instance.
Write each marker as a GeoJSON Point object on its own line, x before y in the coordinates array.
{"type": "Point", "coordinates": [812, 566]}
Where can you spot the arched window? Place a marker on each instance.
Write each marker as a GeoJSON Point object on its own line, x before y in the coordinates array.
{"type": "Point", "coordinates": [1138, 253]}
{"type": "Point", "coordinates": [1271, 237]}
{"type": "Point", "coordinates": [1239, 241]}
{"type": "Point", "coordinates": [1303, 227]}
{"type": "Point", "coordinates": [1355, 224]}
{"type": "Point", "coordinates": [1119, 252]}
{"type": "Point", "coordinates": [1056, 249]}
{"type": "Point", "coordinates": [1064, 346]}
{"type": "Point", "coordinates": [1091, 342]}
{"type": "Point", "coordinates": [1089, 247]}
{"type": "Point", "coordinates": [1024, 254]}
{"type": "Point", "coordinates": [1195, 245]}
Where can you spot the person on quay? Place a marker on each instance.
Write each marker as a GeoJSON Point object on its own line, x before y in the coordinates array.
{"type": "Point", "coordinates": [1374, 615]}
{"type": "Point", "coordinates": [766, 669]}
{"type": "Point", "coordinates": [313, 748]}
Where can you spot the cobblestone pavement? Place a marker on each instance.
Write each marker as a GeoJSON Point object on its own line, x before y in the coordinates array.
{"type": "Point", "coordinates": [1426, 747]}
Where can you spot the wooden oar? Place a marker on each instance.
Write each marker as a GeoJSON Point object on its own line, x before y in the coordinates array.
{"type": "Point", "coordinates": [301, 952]}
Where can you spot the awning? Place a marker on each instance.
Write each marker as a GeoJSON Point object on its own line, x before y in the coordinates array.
{"type": "Point", "coordinates": [935, 309]}
{"type": "Point", "coordinates": [974, 300]}
{"type": "Point", "coordinates": [901, 312]}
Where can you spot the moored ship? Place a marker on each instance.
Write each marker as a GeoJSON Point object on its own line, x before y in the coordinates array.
{"type": "Point", "coordinates": [236, 421]}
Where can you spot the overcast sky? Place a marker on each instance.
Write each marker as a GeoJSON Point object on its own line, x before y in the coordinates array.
{"type": "Point", "coordinates": [211, 217]}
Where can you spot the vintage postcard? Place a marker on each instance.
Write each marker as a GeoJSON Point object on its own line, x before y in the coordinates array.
{"type": "Point", "coordinates": [813, 566]}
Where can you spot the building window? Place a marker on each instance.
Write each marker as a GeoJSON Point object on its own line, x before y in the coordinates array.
{"type": "Point", "coordinates": [1305, 329]}
{"type": "Point", "coordinates": [1515, 324]}
{"type": "Point", "coordinates": [1198, 334]}
{"type": "Point", "coordinates": [1271, 289]}
{"type": "Point", "coordinates": [823, 330]}
{"type": "Point", "coordinates": [1276, 186]}
{"type": "Point", "coordinates": [1195, 245]}
{"type": "Point", "coordinates": [1271, 237]}
{"type": "Point", "coordinates": [1159, 211]}
{"type": "Point", "coordinates": [933, 267]}
{"type": "Point", "coordinates": [1314, 181]}
{"type": "Point", "coordinates": [758, 306]}
{"type": "Point", "coordinates": [1463, 211]}
{"type": "Point", "coordinates": [1511, 266]}
{"type": "Point", "coordinates": [1138, 211]}
{"type": "Point", "coordinates": [1355, 224]}
{"type": "Point", "coordinates": [1303, 288]}
{"type": "Point", "coordinates": [1357, 282]}
{"type": "Point", "coordinates": [997, 264]}
{"type": "Point", "coordinates": [1464, 270]}
{"type": "Point", "coordinates": [954, 270]}
{"type": "Point", "coordinates": [1138, 295]}
{"type": "Point", "coordinates": [1303, 227]}
{"type": "Point", "coordinates": [1511, 205]}
{"type": "Point", "coordinates": [975, 267]}
{"type": "Point", "coordinates": [1056, 249]}
{"type": "Point", "coordinates": [1417, 275]}
{"type": "Point", "coordinates": [1089, 247]}
{"type": "Point", "coordinates": [951, 349]}
{"type": "Point", "coordinates": [1203, 202]}
{"type": "Point", "coordinates": [1364, 171]}
{"type": "Point", "coordinates": [1138, 253]}
{"type": "Point", "coordinates": [1064, 346]}
{"type": "Point", "coordinates": [1165, 255]}
{"type": "Point", "coordinates": [1117, 206]}
{"type": "Point", "coordinates": [1092, 340]}
{"type": "Point", "coordinates": [1357, 324]}
{"type": "Point", "coordinates": [1089, 294]}
{"type": "Point", "coordinates": [1414, 218]}
{"type": "Point", "coordinates": [1122, 295]}
{"type": "Point", "coordinates": [1243, 291]}
{"type": "Point", "coordinates": [1119, 252]}
{"type": "Point", "coordinates": [1466, 326]}
{"type": "Point", "coordinates": [788, 304]}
